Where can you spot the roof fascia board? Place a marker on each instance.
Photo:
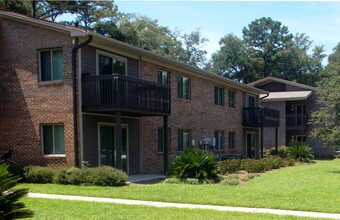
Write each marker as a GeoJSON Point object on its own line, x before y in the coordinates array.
{"type": "Point", "coordinates": [274, 79]}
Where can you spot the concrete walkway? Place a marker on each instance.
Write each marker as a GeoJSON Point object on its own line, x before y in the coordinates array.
{"type": "Point", "coordinates": [188, 206]}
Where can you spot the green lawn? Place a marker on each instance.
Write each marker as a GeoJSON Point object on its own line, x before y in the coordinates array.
{"type": "Point", "coordinates": [58, 209]}
{"type": "Point", "coordinates": [314, 187]}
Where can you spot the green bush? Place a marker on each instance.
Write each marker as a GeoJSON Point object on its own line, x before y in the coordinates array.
{"type": "Point", "coordinates": [10, 207]}
{"type": "Point", "coordinates": [229, 166]}
{"type": "Point", "coordinates": [282, 152]}
{"type": "Point", "coordinates": [38, 174]}
{"type": "Point", "coordinates": [300, 151]}
{"type": "Point", "coordinates": [194, 163]}
{"type": "Point", "coordinates": [99, 176]}
{"type": "Point", "coordinates": [252, 165]}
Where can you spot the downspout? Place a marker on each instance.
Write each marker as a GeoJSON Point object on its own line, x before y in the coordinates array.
{"type": "Point", "coordinates": [262, 115]}
{"type": "Point", "coordinates": [74, 96]}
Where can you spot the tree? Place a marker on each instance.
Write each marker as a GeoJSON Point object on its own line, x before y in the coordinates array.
{"type": "Point", "coordinates": [90, 12]}
{"type": "Point", "coordinates": [229, 60]}
{"type": "Point", "coordinates": [41, 9]}
{"type": "Point", "coordinates": [193, 52]}
{"type": "Point", "coordinates": [146, 33]}
{"type": "Point", "coordinates": [327, 118]}
{"type": "Point", "coordinates": [268, 49]}
{"type": "Point", "coordinates": [266, 41]}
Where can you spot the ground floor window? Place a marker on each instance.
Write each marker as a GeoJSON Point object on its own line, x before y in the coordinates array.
{"type": "Point", "coordinates": [298, 138]}
{"type": "Point", "coordinates": [53, 139]}
{"type": "Point", "coordinates": [219, 138]}
{"type": "Point", "coordinates": [183, 139]}
{"type": "Point", "coordinates": [231, 140]}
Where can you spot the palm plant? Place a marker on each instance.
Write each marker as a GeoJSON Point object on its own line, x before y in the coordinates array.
{"type": "Point", "coordinates": [300, 152]}
{"type": "Point", "coordinates": [194, 163]}
{"type": "Point", "coordinates": [10, 207]}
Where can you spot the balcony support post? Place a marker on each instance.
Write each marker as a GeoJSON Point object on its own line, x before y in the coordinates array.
{"type": "Point", "coordinates": [118, 140]}
{"type": "Point", "coordinates": [276, 141]}
{"type": "Point", "coordinates": [166, 143]}
{"type": "Point", "coordinates": [262, 140]}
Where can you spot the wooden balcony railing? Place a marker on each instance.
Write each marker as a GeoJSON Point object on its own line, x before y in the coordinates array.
{"type": "Point", "coordinates": [261, 116]}
{"type": "Point", "coordinates": [296, 121]}
{"type": "Point", "coordinates": [112, 93]}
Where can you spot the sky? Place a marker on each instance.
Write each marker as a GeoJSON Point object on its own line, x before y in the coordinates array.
{"type": "Point", "coordinates": [319, 20]}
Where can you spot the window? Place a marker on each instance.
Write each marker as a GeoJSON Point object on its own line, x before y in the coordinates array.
{"type": "Point", "coordinates": [183, 139]}
{"type": "Point", "coordinates": [231, 99]}
{"type": "Point", "coordinates": [163, 77]}
{"type": "Point", "coordinates": [219, 138]}
{"type": "Point", "coordinates": [231, 144]}
{"type": "Point", "coordinates": [110, 64]}
{"type": "Point", "coordinates": [183, 87]}
{"type": "Point", "coordinates": [218, 96]}
{"type": "Point", "coordinates": [51, 65]}
{"type": "Point", "coordinates": [53, 139]}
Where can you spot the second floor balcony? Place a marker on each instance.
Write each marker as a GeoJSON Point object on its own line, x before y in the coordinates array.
{"type": "Point", "coordinates": [113, 93]}
{"type": "Point", "coordinates": [261, 116]}
{"type": "Point", "coordinates": [296, 121]}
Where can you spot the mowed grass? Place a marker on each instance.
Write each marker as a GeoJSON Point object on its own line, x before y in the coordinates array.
{"type": "Point", "coordinates": [314, 187]}
{"type": "Point", "coordinates": [59, 209]}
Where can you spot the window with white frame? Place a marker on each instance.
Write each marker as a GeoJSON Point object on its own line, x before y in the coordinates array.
{"type": "Point", "coordinates": [111, 64]}
{"type": "Point", "coordinates": [218, 94]}
{"type": "Point", "coordinates": [231, 140]}
{"type": "Point", "coordinates": [219, 140]}
{"type": "Point", "coordinates": [52, 136]}
{"type": "Point", "coordinates": [231, 99]}
{"type": "Point", "coordinates": [51, 64]}
{"type": "Point", "coordinates": [183, 139]}
{"type": "Point", "coordinates": [163, 77]}
{"type": "Point", "coordinates": [183, 87]}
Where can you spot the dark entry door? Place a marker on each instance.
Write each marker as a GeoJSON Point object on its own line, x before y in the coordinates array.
{"type": "Point", "coordinates": [250, 138]}
{"type": "Point", "coordinates": [107, 149]}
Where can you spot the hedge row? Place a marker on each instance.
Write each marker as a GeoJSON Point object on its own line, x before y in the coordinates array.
{"type": "Point", "coordinates": [99, 176]}
{"type": "Point", "coordinates": [253, 166]}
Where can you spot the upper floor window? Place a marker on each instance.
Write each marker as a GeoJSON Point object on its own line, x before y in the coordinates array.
{"type": "Point", "coordinates": [250, 101]}
{"type": "Point", "coordinates": [183, 87]}
{"type": "Point", "coordinates": [231, 99]}
{"type": "Point", "coordinates": [218, 95]}
{"type": "Point", "coordinates": [111, 64]}
{"type": "Point", "coordinates": [183, 139]}
{"type": "Point", "coordinates": [51, 65]}
{"type": "Point", "coordinates": [53, 139]}
{"type": "Point", "coordinates": [163, 77]}
{"type": "Point", "coordinates": [219, 138]}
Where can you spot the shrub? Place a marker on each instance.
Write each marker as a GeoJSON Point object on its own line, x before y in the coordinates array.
{"type": "Point", "coordinates": [282, 152]}
{"type": "Point", "coordinates": [253, 166]}
{"type": "Point", "coordinates": [10, 207]}
{"type": "Point", "coordinates": [99, 176]}
{"type": "Point", "coordinates": [229, 166]}
{"type": "Point", "coordinates": [300, 151]}
{"type": "Point", "coordinates": [40, 175]}
{"type": "Point", "coordinates": [194, 163]}
{"type": "Point", "coordinates": [230, 182]}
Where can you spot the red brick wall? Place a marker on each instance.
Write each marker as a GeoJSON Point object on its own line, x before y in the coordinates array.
{"type": "Point", "coordinates": [199, 114]}
{"type": "Point", "coordinates": [26, 102]}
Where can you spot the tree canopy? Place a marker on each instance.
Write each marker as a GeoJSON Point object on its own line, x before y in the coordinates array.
{"type": "Point", "coordinates": [268, 49]}
{"type": "Point", "coordinates": [327, 118]}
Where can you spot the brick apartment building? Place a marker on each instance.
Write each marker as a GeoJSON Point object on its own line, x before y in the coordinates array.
{"type": "Point", "coordinates": [296, 102]}
{"type": "Point", "coordinates": [68, 95]}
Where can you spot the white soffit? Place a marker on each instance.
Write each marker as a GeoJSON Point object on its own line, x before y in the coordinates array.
{"type": "Point", "coordinates": [285, 96]}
